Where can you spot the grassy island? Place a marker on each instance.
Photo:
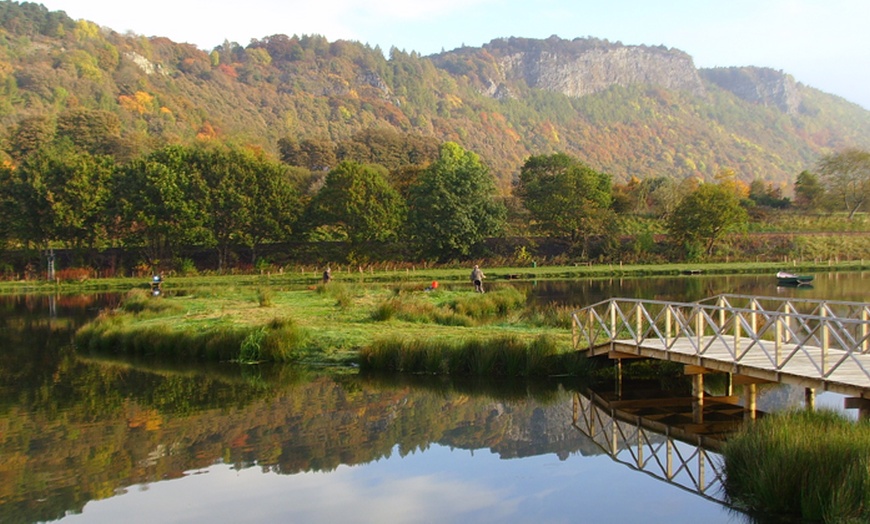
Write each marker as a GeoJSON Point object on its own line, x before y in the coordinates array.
{"type": "Point", "coordinates": [337, 323]}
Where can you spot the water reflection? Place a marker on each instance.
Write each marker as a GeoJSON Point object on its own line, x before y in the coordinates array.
{"type": "Point", "coordinates": [95, 439]}
{"type": "Point", "coordinates": [95, 430]}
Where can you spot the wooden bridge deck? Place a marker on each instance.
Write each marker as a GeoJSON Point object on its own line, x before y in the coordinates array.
{"type": "Point", "coordinates": [850, 378]}
{"type": "Point", "coordinates": [816, 344]}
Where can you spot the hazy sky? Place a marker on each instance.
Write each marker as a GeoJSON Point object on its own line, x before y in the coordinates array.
{"type": "Point", "coordinates": [822, 43]}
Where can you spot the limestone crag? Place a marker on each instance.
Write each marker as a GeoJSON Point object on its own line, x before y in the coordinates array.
{"type": "Point", "coordinates": [583, 66]}
{"type": "Point", "coordinates": [598, 69]}
{"type": "Point", "coordinates": [758, 85]}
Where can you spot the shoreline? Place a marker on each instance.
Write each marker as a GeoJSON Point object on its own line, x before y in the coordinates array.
{"type": "Point", "coordinates": [312, 275]}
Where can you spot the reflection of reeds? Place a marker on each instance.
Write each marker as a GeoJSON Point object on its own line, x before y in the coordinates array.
{"type": "Point", "coordinates": [504, 356]}
{"type": "Point", "coordinates": [813, 466]}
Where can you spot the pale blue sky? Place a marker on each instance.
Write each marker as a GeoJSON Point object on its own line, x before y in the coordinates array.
{"type": "Point", "coordinates": [822, 43]}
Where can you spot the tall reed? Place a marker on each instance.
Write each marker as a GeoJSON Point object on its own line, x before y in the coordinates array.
{"type": "Point", "coordinates": [805, 465]}
{"type": "Point", "coordinates": [504, 357]}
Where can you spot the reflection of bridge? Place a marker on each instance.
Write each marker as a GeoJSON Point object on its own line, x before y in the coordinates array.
{"type": "Point", "coordinates": [662, 437]}
{"type": "Point", "coordinates": [816, 344]}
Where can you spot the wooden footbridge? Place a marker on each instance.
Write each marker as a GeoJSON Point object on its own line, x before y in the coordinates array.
{"type": "Point", "coordinates": [818, 344]}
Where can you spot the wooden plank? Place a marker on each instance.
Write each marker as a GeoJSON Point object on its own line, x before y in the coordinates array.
{"type": "Point", "coordinates": [742, 380]}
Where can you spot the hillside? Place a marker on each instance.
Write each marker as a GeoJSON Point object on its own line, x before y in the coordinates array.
{"type": "Point", "coordinates": [627, 110]}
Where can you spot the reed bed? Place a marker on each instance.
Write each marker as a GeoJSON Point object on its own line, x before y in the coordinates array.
{"type": "Point", "coordinates": [470, 310]}
{"type": "Point", "coordinates": [812, 466]}
{"type": "Point", "coordinates": [497, 357]}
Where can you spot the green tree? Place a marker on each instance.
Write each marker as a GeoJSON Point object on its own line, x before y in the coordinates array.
{"type": "Point", "coordinates": [705, 216]}
{"type": "Point", "coordinates": [251, 199]}
{"type": "Point", "coordinates": [277, 203]}
{"type": "Point", "coordinates": [31, 134]}
{"type": "Point", "coordinates": [161, 203]}
{"type": "Point", "coordinates": [808, 191]}
{"type": "Point", "coordinates": [565, 197]}
{"type": "Point", "coordinates": [846, 176]}
{"type": "Point", "coordinates": [95, 131]}
{"type": "Point", "coordinates": [59, 195]}
{"type": "Point", "coordinates": [452, 206]}
{"type": "Point", "coordinates": [357, 200]}
{"type": "Point", "coordinates": [314, 154]}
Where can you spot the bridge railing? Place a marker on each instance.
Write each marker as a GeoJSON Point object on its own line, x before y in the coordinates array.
{"type": "Point", "coordinates": [781, 330]}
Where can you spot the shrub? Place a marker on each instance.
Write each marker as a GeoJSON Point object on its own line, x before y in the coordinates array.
{"type": "Point", "coordinates": [73, 274]}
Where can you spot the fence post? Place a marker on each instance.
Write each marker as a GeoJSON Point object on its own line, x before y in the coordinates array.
{"type": "Point", "coordinates": [777, 344]}
{"type": "Point", "coordinates": [612, 319]}
{"type": "Point", "coordinates": [823, 312]}
{"type": "Point", "coordinates": [639, 322]}
{"type": "Point", "coordinates": [668, 314]}
{"type": "Point", "coordinates": [736, 318]}
{"type": "Point", "coordinates": [753, 318]}
{"type": "Point", "coordinates": [865, 329]}
{"type": "Point", "coordinates": [575, 334]}
{"type": "Point", "coordinates": [699, 326]}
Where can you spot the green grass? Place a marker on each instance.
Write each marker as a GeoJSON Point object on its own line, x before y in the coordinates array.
{"type": "Point", "coordinates": [324, 324]}
{"type": "Point", "coordinates": [813, 466]}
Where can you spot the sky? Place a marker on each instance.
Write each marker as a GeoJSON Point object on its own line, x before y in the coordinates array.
{"type": "Point", "coordinates": [824, 44]}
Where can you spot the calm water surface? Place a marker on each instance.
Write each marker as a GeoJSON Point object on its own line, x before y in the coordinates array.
{"type": "Point", "coordinates": [87, 439]}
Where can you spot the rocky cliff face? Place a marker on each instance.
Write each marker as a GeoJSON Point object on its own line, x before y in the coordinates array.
{"type": "Point", "coordinates": [582, 67]}
{"type": "Point", "coordinates": [758, 85]}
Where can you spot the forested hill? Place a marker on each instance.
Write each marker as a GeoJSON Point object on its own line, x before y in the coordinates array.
{"type": "Point", "coordinates": [626, 110]}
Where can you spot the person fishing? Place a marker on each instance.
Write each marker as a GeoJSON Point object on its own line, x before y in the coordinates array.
{"type": "Point", "coordinates": [477, 277]}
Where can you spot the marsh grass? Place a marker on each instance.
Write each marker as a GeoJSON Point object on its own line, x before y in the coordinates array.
{"type": "Point", "coordinates": [451, 309]}
{"type": "Point", "coordinates": [501, 356]}
{"type": "Point", "coordinates": [496, 304]}
{"type": "Point", "coordinates": [805, 465]}
{"type": "Point", "coordinates": [552, 314]}
{"type": "Point", "coordinates": [318, 324]}
{"type": "Point", "coordinates": [264, 297]}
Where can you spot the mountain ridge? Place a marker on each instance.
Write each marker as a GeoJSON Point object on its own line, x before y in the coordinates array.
{"type": "Point", "coordinates": [631, 111]}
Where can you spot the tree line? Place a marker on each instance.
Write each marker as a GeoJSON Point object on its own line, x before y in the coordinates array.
{"type": "Point", "coordinates": [438, 200]}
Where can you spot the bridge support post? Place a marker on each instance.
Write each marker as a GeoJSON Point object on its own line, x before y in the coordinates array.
{"type": "Point", "coordinates": [861, 404]}
{"type": "Point", "coordinates": [698, 398]}
{"type": "Point", "coordinates": [750, 398]}
{"type": "Point", "coordinates": [810, 399]}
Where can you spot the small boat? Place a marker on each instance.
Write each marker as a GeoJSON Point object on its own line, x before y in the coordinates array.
{"type": "Point", "coordinates": [790, 279]}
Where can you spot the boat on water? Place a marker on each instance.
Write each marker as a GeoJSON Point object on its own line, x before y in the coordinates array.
{"type": "Point", "coordinates": [790, 279]}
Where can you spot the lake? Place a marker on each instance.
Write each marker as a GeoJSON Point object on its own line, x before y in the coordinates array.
{"type": "Point", "coordinates": [89, 439]}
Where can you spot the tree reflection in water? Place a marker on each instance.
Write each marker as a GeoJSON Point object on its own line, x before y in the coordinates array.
{"type": "Point", "coordinates": [76, 428]}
